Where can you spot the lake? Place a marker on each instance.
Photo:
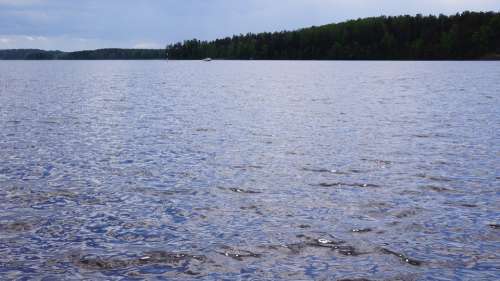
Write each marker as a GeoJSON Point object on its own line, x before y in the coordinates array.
{"type": "Point", "coordinates": [258, 170]}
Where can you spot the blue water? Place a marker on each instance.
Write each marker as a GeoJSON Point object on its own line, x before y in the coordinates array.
{"type": "Point", "coordinates": [249, 170]}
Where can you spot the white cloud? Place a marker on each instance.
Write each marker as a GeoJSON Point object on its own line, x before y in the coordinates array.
{"type": "Point", "coordinates": [5, 40]}
{"type": "Point", "coordinates": [49, 43]}
{"type": "Point", "coordinates": [20, 2]}
{"type": "Point", "coordinates": [147, 45]}
{"type": "Point", "coordinates": [67, 43]}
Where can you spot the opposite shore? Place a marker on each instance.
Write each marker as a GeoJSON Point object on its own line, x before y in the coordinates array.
{"type": "Point", "coordinates": [464, 36]}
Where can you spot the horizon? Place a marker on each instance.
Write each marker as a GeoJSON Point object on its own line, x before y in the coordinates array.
{"type": "Point", "coordinates": [228, 36]}
{"type": "Point", "coordinates": [91, 25]}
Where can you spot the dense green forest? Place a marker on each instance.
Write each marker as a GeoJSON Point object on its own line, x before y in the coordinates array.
{"type": "Point", "coordinates": [101, 54]}
{"type": "Point", "coordinates": [468, 35]}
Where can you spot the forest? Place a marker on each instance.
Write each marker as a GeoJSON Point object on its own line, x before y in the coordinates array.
{"type": "Point", "coordinates": [100, 54]}
{"type": "Point", "coordinates": [467, 35]}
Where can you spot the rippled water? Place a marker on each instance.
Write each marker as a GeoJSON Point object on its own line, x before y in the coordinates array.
{"type": "Point", "coordinates": [249, 170]}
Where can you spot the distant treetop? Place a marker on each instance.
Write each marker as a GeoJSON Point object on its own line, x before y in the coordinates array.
{"type": "Point", "coordinates": [101, 54]}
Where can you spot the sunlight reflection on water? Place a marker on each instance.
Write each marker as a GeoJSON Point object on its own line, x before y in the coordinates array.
{"type": "Point", "coordinates": [251, 170]}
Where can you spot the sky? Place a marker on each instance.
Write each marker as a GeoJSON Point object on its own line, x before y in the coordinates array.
{"type": "Point", "coordinates": [70, 25]}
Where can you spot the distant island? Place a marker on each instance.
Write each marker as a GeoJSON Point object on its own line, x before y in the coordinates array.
{"type": "Point", "coordinates": [468, 35]}
{"type": "Point", "coordinates": [101, 54]}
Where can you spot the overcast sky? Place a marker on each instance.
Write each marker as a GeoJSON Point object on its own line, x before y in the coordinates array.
{"type": "Point", "coordinates": [89, 24]}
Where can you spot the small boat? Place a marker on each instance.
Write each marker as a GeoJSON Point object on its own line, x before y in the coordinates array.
{"type": "Point", "coordinates": [207, 59]}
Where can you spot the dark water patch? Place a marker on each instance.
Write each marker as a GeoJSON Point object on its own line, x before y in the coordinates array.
{"type": "Point", "coordinates": [320, 170]}
{"type": "Point", "coordinates": [177, 215]}
{"type": "Point", "coordinates": [307, 242]}
{"type": "Point", "coordinates": [17, 226]}
{"type": "Point", "coordinates": [354, 279]}
{"type": "Point", "coordinates": [378, 161]}
{"type": "Point", "coordinates": [103, 263]}
{"type": "Point", "coordinates": [240, 190]}
{"type": "Point", "coordinates": [296, 248]}
{"type": "Point", "coordinates": [49, 122]}
{"type": "Point", "coordinates": [422, 136]}
{"type": "Point", "coordinates": [436, 188]}
{"type": "Point", "coordinates": [55, 231]}
{"type": "Point", "coordinates": [340, 184]}
{"type": "Point", "coordinates": [357, 171]}
{"type": "Point", "coordinates": [336, 245]}
{"type": "Point", "coordinates": [403, 257]}
{"type": "Point", "coordinates": [169, 257]}
{"type": "Point", "coordinates": [95, 262]}
{"type": "Point", "coordinates": [261, 135]}
{"type": "Point", "coordinates": [440, 162]}
{"type": "Point", "coordinates": [295, 153]}
{"type": "Point", "coordinates": [374, 165]}
{"type": "Point", "coordinates": [326, 171]}
{"type": "Point", "coordinates": [347, 250]}
{"type": "Point", "coordinates": [159, 193]}
{"type": "Point", "coordinates": [469, 205]}
{"type": "Point", "coordinates": [135, 236]}
{"type": "Point", "coordinates": [430, 135]}
{"type": "Point", "coordinates": [377, 209]}
{"type": "Point", "coordinates": [333, 244]}
{"type": "Point", "coordinates": [246, 167]}
{"type": "Point", "coordinates": [406, 213]}
{"type": "Point", "coordinates": [361, 230]}
{"type": "Point", "coordinates": [41, 200]}
{"type": "Point", "coordinates": [253, 208]}
{"type": "Point", "coordinates": [435, 178]}
{"type": "Point", "coordinates": [238, 254]}
{"type": "Point", "coordinates": [205, 130]}
{"type": "Point", "coordinates": [323, 242]}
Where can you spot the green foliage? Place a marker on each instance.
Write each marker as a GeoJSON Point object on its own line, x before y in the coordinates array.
{"type": "Point", "coordinates": [101, 54]}
{"type": "Point", "coordinates": [462, 36]}
{"type": "Point", "coordinates": [115, 54]}
{"type": "Point", "coordinates": [28, 54]}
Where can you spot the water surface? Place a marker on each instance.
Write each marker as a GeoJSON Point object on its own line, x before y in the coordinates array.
{"type": "Point", "coordinates": [250, 170]}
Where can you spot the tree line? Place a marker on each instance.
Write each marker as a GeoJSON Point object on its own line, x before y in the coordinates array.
{"type": "Point", "coordinates": [100, 54]}
{"type": "Point", "coordinates": [467, 35]}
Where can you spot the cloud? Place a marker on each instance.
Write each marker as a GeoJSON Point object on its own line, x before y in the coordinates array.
{"type": "Point", "coordinates": [148, 45]}
{"type": "Point", "coordinates": [55, 42]}
{"type": "Point", "coordinates": [5, 41]}
{"type": "Point", "coordinates": [20, 2]}
{"type": "Point", "coordinates": [69, 25]}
